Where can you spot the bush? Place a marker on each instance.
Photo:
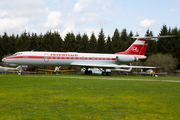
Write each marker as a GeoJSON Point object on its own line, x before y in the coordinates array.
{"type": "Point", "coordinates": [166, 61]}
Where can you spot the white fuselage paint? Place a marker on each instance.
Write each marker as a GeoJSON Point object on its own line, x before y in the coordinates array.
{"type": "Point", "coordinates": [66, 58]}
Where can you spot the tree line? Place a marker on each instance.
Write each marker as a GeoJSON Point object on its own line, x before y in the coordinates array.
{"type": "Point", "coordinates": [120, 41]}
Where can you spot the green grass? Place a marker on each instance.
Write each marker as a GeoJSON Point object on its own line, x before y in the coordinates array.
{"type": "Point", "coordinates": [79, 97]}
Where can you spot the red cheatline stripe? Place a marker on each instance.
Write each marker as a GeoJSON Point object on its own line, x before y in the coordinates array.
{"type": "Point", "coordinates": [37, 57]}
{"type": "Point", "coordinates": [50, 57]}
{"type": "Point", "coordinates": [25, 57]}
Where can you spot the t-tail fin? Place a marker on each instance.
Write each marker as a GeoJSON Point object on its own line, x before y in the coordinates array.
{"type": "Point", "coordinates": [139, 47]}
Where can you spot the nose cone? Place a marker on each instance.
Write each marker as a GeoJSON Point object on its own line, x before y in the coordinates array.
{"type": "Point", "coordinates": [4, 59]}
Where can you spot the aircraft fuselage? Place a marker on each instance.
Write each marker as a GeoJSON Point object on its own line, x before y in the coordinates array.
{"type": "Point", "coordinates": [65, 58]}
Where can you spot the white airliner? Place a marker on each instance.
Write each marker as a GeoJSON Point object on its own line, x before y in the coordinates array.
{"type": "Point", "coordinates": [115, 61]}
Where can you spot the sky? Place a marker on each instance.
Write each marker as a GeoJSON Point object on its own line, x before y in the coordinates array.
{"type": "Point", "coordinates": [87, 16]}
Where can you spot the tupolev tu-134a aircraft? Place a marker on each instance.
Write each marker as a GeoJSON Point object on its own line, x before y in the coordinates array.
{"type": "Point", "coordinates": [115, 61]}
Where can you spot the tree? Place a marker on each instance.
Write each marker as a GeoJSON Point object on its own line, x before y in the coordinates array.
{"type": "Point", "coordinates": [101, 42]}
{"type": "Point", "coordinates": [152, 47]}
{"type": "Point", "coordinates": [85, 44]}
{"type": "Point", "coordinates": [1, 49]}
{"type": "Point", "coordinates": [5, 44]}
{"type": "Point", "coordinates": [124, 38]}
{"type": "Point", "coordinates": [78, 43]}
{"type": "Point", "coordinates": [40, 43]}
{"type": "Point", "coordinates": [174, 43]}
{"type": "Point", "coordinates": [33, 42]}
{"type": "Point", "coordinates": [47, 41]}
{"type": "Point", "coordinates": [130, 34]}
{"type": "Point", "coordinates": [25, 37]}
{"type": "Point", "coordinates": [116, 42]}
{"type": "Point", "coordinates": [109, 45]}
{"type": "Point", "coordinates": [129, 40]}
{"type": "Point", "coordinates": [93, 44]}
{"type": "Point", "coordinates": [69, 42]}
{"type": "Point", "coordinates": [137, 34]}
{"type": "Point", "coordinates": [58, 46]}
{"type": "Point", "coordinates": [162, 42]}
{"type": "Point", "coordinates": [18, 44]}
{"type": "Point", "coordinates": [166, 61]}
{"type": "Point", "coordinates": [12, 44]}
{"type": "Point", "coordinates": [124, 35]}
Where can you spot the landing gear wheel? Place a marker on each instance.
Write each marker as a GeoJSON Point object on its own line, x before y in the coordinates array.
{"type": "Point", "coordinates": [90, 72]}
{"type": "Point", "coordinates": [103, 73]}
{"type": "Point", "coordinates": [108, 73]}
{"type": "Point", "coordinates": [86, 72]}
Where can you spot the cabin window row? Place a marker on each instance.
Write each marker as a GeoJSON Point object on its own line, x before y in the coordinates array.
{"type": "Point", "coordinates": [80, 58]}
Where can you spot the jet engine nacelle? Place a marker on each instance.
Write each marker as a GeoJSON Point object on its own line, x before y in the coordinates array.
{"type": "Point", "coordinates": [125, 58]}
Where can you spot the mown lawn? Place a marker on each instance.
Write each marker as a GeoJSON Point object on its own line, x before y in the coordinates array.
{"type": "Point", "coordinates": [79, 97]}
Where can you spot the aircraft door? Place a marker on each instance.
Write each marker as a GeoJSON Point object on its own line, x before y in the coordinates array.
{"type": "Point", "coordinates": [46, 57]}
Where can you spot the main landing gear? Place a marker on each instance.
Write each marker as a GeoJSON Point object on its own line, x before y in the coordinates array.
{"type": "Point", "coordinates": [88, 72]}
{"type": "Point", "coordinates": [106, 73]}
{"type": "Point", "coordinates": [103, 72]}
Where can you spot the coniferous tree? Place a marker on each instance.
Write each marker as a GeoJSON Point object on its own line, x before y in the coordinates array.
{"type": "Point", "coordinates": [109, 45]}
{"type": "Point", "coordinates": [25, 37]}
{"type": "Point", "coordinates": [47, 41]}
{"type": "Point", "coordinates": [85, 44]}
{"type": "Point", "coordinates": [58, 46]}
{"type": "Point", "coordinates": [130, 40]}
{"type": "Point", "coordinates": [78, 42]}
{"type": "Point", "coordinates": [5, 44]}
{"type": "Point", "coordinates": [19, 44]}
{"type": "Point", "coordinates": [52, 39]}
{"type": "Point", "coordinates": [69, 42]}
{"type": "Point", "coordinates": [40, 43]}
{"type": "Point", "coordinates": [124, 38]}
{"type": "Point", "coordinates": [174, 43]}
{"type": "Point", "coordinates": [93, 44]}
{"type": "Point", "coordinates": [101, 42]}
{"type": "Point", "coordinates": [152, 47]}
{"type": "Point", "coordinates": [162, 42]}
{"type": "Point", "coordinates": [137, 34]}
{"type": "Point", "coordinates": [1, 49]}
{"type": "Point", "coordinates": [116, 42]}
{"type": "Point", "coordinates": [33, 42]}
{"type": "Point", "coordinates": [12, 45]}
{"type": "Point", "coordinates": [130, 34]}
{"type": "Point", "coordinates": [124, 35]}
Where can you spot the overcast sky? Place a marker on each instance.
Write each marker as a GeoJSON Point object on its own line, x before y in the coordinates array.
{"type": "Point", "coordinates": [87, 16]}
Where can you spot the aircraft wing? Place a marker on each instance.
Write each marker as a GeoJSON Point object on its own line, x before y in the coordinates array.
{"type": "Point", "coordinates": [110, 66]}
{"type": "Point", "coordinates": [45, 70]}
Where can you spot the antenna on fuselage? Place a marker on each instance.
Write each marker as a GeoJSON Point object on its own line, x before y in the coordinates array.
{"type": "Point", "coordinates": [32, 50]}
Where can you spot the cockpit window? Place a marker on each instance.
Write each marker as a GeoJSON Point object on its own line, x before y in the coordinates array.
{"type": "Point", "coordinates": [17, 54]}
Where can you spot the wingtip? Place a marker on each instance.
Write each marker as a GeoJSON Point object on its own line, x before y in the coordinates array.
{"type": "Point", "coordinates": [158, 67]}
{"type": "Point", "coordinates": [173, 35]}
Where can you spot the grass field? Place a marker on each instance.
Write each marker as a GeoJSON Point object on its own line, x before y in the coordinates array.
{"type": "Point", "coordinates": [79, 97]}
